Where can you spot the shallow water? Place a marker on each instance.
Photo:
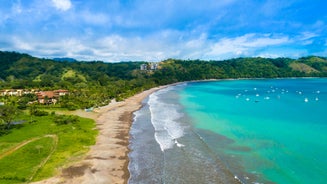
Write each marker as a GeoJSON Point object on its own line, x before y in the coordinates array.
{"type": "Point", "coordinates": [211, 132]}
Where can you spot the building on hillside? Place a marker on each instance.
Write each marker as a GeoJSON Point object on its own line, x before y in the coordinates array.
{"type": "Point", "coordinates": [3, 92]}
{"type": "Point", "coordinates": [47, 97]}
{"type": "Point", "coordinates": [144, 67]}
{"type": "Point", "coordinates": [61, 92]}
{"type": "Point", "coordinates": [50, 97]}
{"type": "Point", "coordinates": [153, 66]}
{"type": "Point", "coordinates": [44, 97]}
{"type": "Point", "coordinates": [17, 92]}
{"type": "Point", "coordinates": [31, 91]}
{"type": "Point", "coordinates": [11, 92]}
{"type": "Point", "coordinates": [149, 66]}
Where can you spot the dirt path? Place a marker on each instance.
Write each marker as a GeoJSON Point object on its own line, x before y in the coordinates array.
{"type": "Point", "coordinates": [54, 147]}
{"type": "Point", "coordinates": [15, 148]}
{"type": "Point", "coordinates": [20, 145]}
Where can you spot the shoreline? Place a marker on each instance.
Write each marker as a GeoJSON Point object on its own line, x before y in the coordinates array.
{"type": "Point", "coordinates": [107, 160]}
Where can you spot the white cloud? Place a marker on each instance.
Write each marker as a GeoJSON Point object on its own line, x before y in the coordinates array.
{"type": "Point", "coordinates": [245, 45]}
{"type": "Point", "coordinates": [62, 4]}
{"type": "Point", "coordinates": [307, 35]}
{"type": "Point", "coordinates": [94, 18]}
{"type": "Point", "coordinates": [17, 8]}
{"type": "Point", "coordinates": [21, 45]}
{"type": "Point", "coordinates": [160, 46]}
{"type": "Point", "coordinates": [306, 38]}
{"type": "Point", "coordinates": [273, 7]}
{"type": "Point", "coordinates": [269, 55]}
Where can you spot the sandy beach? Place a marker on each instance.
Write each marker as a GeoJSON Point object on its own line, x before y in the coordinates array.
{"type": "Point", "coordinates": [107, 160]}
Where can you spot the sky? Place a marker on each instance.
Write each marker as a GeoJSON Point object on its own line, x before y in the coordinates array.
{"type": "Point", "coordinates": [155, 30]}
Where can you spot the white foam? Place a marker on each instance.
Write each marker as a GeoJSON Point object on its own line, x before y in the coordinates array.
{"type": "Point", "coordinates": [163, 140]}
{"type": "Point", "coordinates": [238, 179]}
{"type": "Point", "coordinates": [164, 118]}
{"type": "Point", "coordinates": [137, 114]}
{"type": "Point", "coordinates": [134, 131]}
{"type": "Point", "coordinates": [179, 144]}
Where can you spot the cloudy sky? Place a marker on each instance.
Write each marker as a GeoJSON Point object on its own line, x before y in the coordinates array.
{"type": "Point", "coordinates": [153, 30]}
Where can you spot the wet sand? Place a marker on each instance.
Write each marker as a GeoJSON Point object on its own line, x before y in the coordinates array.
{"type": "Point", "coordinates": [107, 160]}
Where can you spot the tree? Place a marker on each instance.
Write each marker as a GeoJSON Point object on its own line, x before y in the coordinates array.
{"type": "Point", "coordinates": [32, 109]}
{"type": "Point", "coordinates": [7, 115]}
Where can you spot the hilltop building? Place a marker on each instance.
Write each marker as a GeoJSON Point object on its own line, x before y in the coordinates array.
{"type": "Point", "coordinates": [154, 66]}
{"type": "Point", "coordinates": [143, 67]}
{"type": "Point", "coordinates": [149, 66]}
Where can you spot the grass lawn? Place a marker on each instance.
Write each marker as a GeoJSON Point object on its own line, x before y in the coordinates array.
{"type": "Point", "coordinates": [35, 151]}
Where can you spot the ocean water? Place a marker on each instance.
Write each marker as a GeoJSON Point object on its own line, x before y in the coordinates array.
{"type": "Point", "coordinates": [248, 131]}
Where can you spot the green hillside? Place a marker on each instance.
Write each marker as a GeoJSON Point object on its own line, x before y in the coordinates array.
{"type": "Point", "coordinates": [101, 82]}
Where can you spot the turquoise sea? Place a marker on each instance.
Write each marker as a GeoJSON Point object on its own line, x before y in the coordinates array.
{"type": "Point", "coordinates": [248, 131]}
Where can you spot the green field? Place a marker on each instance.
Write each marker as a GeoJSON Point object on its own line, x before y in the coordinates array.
{"type": "Point", "coordinates": [34, 151]}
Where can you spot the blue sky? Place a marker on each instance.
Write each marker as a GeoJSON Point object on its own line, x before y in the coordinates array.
{"type": "Point", "coordinates": [154, 30]}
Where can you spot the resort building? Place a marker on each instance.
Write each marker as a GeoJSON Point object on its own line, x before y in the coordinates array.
{"type": "Point", "coordinates": [149, 66]}
{"type": "Point", "coordinates": [153, 66]}
{"type": "Point", "coordinates": [50, 97]}
{"type": "Point", "coordinates": [17, 92]}
{"type": "Point", "coordinates": [143, 67]}
{"type": "Point", "coordinates": [61, 92]}
{"type": "Point", "coordinates": [44, 97]}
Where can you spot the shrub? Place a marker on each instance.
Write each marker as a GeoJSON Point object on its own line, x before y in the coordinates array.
{"type": "Point", "coordinates": [3, 131]}
{"type": "Point", "coordinates": [70, 106]}
{"type": "Point", "coordinates": [40, 113]}
{"type": "Point", "coordinates": [64, 119]}
{"type": "Point", "coordinates": [22, 106]}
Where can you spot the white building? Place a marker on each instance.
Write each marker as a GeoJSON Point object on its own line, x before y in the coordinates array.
{"type": "Point", "coordinates": [143, 67]}
{"type": "Point", "coordinates": [149, 66]}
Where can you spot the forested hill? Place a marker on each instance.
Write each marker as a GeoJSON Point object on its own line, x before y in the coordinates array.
{"type": "Point", "coordinates": [98, 80]}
